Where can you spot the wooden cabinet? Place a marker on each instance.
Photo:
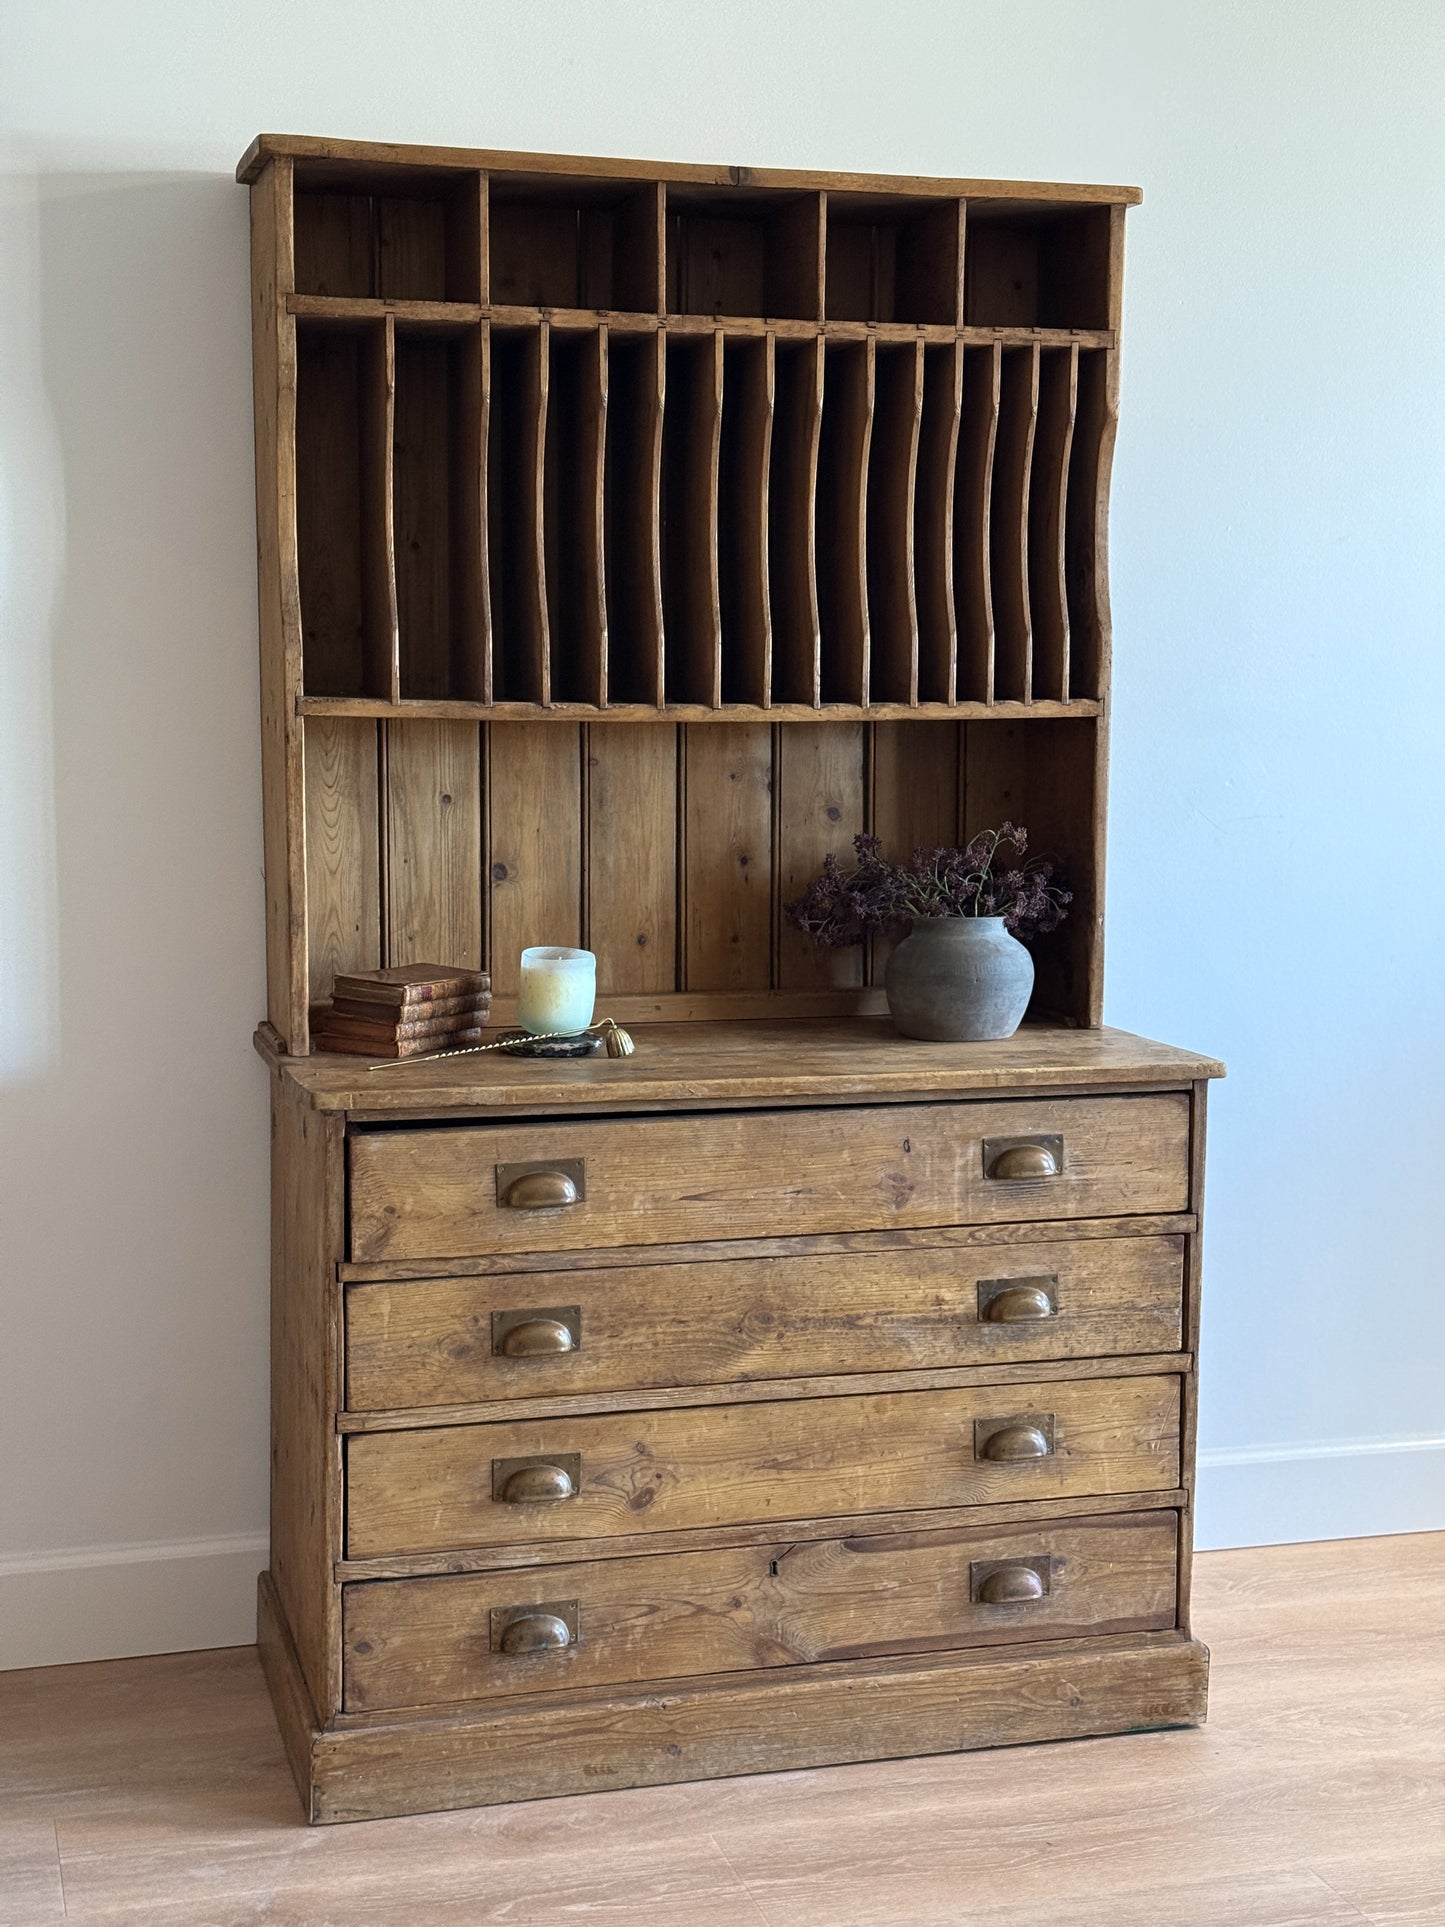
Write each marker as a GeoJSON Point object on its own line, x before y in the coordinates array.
{"type": "Point", "coordinates": [631, 538]}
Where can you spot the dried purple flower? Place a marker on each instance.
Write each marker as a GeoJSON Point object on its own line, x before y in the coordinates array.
{"type": "Point", "coordinates": [842, 907]}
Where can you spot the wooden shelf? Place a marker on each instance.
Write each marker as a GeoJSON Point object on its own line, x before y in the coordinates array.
{"type": "Point", "coordinates": [802, 480]}
{"type": "Point", "coordinates": [721, 713]}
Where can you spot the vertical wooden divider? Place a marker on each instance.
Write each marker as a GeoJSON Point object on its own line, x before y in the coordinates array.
{"type": "Point", "coordinates": [892, 485]}
{"type": "Point", "coordinates": [915, 797]}
{"type": "Point", "coordinates": [516, 454]}
{"type": "Point", "coordinates": [343, 887]}
{"type": "Point", "coordinates": [727, 856]}
{"type": "Point", "coordinates": [632, 541]}
{"type": "Point", "coordinates": [818, 808]}
{"type": "Point", "coordinates": [471, 592]}
{"type": "Point", "coordinates": [573, 465]}
{"type": "Point", "coordinates": [933, 527]}
{"type": "Point", "coordinates": [792, 524]}
{"type": "Point", "coordinates": [691, 440]}
{"type": "Point", "coordinates": [1048, 484]}
{"type": "Point", "coordinates": [747, 433]}
{"type": "Point", "coordinates": [630, 873]}
{"type": "Point", "coordinates": [846, 432]}
{"type": "Point", "coordinates": [382, 644]}
{"type": "Point", "coordinates": [1086, 521]}
{"type": "Point", "coordinates": [972, 532]}
{"type": "Point", "coordinates": [535, 831]}
{"type": "Point", "coordinates": [433, 843]}
{"type": "Point", "coordinates": [1009, 524]}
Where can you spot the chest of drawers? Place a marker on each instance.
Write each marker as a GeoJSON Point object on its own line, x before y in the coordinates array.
{"type": "Point", "coordinates": [712, 1411]}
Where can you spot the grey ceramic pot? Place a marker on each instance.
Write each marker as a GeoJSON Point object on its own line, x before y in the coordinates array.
{"type": "Point", "coordinates": [959, 980]}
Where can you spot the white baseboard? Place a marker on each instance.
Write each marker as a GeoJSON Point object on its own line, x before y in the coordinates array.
{"type": "Point", "coordinates": [182, 1595]}
{"type": "Point", "coordinates": [114, 1602]}
{"type": "Point", "coordinates": [1338, 1489]}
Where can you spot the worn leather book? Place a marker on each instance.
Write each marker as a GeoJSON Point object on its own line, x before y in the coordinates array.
{"type": "Point", "coordinates": [402, 984]}
{"type": "Point", "coordinates": [428, 1011]}
{"type": "Point", "coordinates": [327, 1039]}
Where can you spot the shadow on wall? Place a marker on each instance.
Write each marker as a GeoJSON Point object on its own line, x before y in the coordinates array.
{"type": "Point", "coordinates": [131, 1132]}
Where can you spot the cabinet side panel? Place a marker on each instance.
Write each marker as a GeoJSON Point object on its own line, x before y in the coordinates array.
{"type": "Point", "coordinates": [307, 1196]}
{"type": "Point", "coordinates": [1189, 1387]}
{"type": "Point", "coordinates": [273, 347]}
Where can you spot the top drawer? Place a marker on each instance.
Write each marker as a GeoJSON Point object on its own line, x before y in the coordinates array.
{"type": "Point", "coordinates": [562, 1185]}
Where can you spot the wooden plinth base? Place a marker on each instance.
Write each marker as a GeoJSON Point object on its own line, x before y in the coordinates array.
{"type": "Point", "coordinates": [701, 1730]}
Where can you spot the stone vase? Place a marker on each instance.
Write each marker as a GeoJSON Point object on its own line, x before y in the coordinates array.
{"type": "Point", "coordinates": [959, 980]}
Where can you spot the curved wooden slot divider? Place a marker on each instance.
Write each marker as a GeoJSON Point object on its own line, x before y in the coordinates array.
{"type": "Point", "coordinates": [631, 518]}
{"type": "Point", "coordinates": [747, 434]}
{"type": "Point", "coordinates": [1086, 524]}
{"type": "Point", "coordinates": [573, 516]}
{"type": "Point", "coordinates": [1009, 523]}
{"type": "Point", "coordinates": [691, 434]}
{"type": "Point", "coordinates": [845, 434]}
{"type": "Point", "coordinates": [972, 506]}
{"type": "Point", "coordinates": [516, 449]}
{"type": "Point", "coordinates": [933, 524]}
{"type": "Point", "coordinates": [792, 520]}
{"type": "Point", "coordinates": [892, 489]}
{"type": "Point", "coordinates": [1048, 485]}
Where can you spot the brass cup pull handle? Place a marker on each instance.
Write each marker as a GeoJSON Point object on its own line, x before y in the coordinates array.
{"type": "Point", "coordinates": [1018, 1440]}
{"type": "Point", "coordinates": [1024, 1162]}
{"type": "Point", "coordinates": [1020, 1302]}
{"type": "Point", "coordinates": [545, 1333]}
{"type": "Point", "coordinates": [1012, 1582]}
{"type": "Point", "coordinates": [536, 1481]}
{"type": "Point", "coordinates": [535, 1632]}
{"type": "Point", "coordinates": [541, 1191]}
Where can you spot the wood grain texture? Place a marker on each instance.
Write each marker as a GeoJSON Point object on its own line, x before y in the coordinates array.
{"type": "Point", "coordinates": [1048, 488]}
{"type": "Point", "coordinates": [1008, 524]}
{"type": "Point", "coordinates": [1086, 529]}
{"type": "Point", "coordinates": [724, 1063]}
{"type": "Point", "coordinates": [632, 537]}
{"type": "Point", "coordinates": [845, 436]}
{"type": "Point", "coordinates": [892, 493]}
{"type": "Point", "coordinates": [746, 662]}
{"type": "Point", "coordinates": [307, 1206]}
{"type": "Point", "coordinates": [933, 541]}
{"type": "Point", "coordinates": [915, 788]}
{"type": "Point", "coordinates": [727, 856]}
{"type": "Point", "coordinates": [972, 524]}
{"type": "Point", "coordinates": [819, 803]}
{"type": "Point", "coordinates": [425, 1642]}
{"type": "Point", "coordinates": [691, 441]}
{"type": "Point", "coordinates": [516, 548]}
{"type": "Point", "coordinates": [792, 520]}
{"type": "Point", "coordinates": [431, 1489]}
{"type": "Point", "coordinates": [433, 1193]}
{"type": "Point", "coordinates": [534, 792]}
{"type": "Point", "coordinates": [872, 1711]}
{"type": "Point", "coordinates": [343, 881]}
{"type": "Point", "coordinates": [433, 844]}
{"type": "Point", "coordinates": [273, 362]}
{"type": "Point", "coordinates": [631, 866]}
{"type": "Point", "coordinates": [573, 516]}
{"type": "Point", "coordinates": [429, 1341]}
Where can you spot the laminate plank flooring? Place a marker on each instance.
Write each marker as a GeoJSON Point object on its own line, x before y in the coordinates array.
{"type": "Point", "coordinates": [155, 1791]}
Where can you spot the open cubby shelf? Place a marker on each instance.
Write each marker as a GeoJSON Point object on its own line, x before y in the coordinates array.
{"type": "Point", "coordinates": [634, 536]}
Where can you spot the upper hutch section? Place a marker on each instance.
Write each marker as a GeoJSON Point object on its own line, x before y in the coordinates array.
{"type": "Point", "coordinates": [600, 439]}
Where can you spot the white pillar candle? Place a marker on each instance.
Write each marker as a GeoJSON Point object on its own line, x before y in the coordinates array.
{"type": "Point", "coordinates": [559, 989]}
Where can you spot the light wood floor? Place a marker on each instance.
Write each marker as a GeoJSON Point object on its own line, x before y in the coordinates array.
{"type": "Point", "coordinates": [153, 1790]}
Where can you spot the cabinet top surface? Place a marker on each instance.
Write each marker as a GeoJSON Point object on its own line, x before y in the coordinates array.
{"type": "Point", "coordinates": [745, 1063]}
{"type": "Point", "coordinates": [344, 160]}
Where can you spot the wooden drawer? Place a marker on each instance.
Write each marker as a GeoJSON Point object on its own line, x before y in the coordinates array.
{"type": "Point", "coordinates": [754, 1174]}
{"type": "Point", "coordinates": [453, 1341]}
{"type": "Point", "coordinates": [423, 1642]}
{"type": "Point", "coordinates": [458, 1485]}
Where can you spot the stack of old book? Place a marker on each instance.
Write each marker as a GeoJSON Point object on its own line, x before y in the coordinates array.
{"type": "Point", "coordinates": [405, 1011]}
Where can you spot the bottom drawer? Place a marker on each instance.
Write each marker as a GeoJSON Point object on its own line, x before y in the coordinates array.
{"type": "Point", "coordinates": [422, 1642]}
